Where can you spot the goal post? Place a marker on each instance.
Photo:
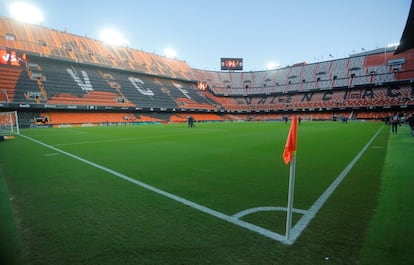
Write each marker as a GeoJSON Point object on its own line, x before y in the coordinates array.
{"type": "Point", "coordinates": [9, 123]}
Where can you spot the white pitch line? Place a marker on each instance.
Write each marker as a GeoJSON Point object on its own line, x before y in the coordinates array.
{"type": "Point", "coordinates": [201, 208]}
{"type": "Point", "coordinates": [52, 154]}
{"type": "Point", "coordinates": [95, 142]}
{"type": "Point", "coordinates": [265, 208]}
{"type": "Point", "coordinates": [295, 232]}
{"type": "Point", "coordinates": [113, 140]}
{"type": "Point", "coordinates": [313, 210]}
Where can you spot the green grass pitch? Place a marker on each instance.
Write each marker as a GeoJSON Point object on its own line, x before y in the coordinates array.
{"type": "Point", "coordinates": [64, 198]}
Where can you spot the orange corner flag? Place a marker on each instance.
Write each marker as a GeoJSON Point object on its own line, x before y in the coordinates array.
{"type": "Point", "coordinates": [290, 146]}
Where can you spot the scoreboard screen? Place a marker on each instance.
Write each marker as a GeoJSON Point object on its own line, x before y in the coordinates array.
{"type": "Point", "coordinates": [231, 64]}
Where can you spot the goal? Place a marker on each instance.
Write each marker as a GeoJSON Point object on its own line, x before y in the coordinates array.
{"type": "Point", "coordinates": [9, 123]}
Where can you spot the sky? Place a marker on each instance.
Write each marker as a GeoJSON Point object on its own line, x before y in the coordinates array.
{"type": "Point", "coordinates": [260, 31]}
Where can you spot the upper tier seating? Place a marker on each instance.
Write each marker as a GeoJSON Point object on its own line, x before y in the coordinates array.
{"type": "Point", "coordinates": [58, 82]}
{"type": "Point", "coordinates": [59, 44]}
{"type": "Point", "coordinates": [341, 73]}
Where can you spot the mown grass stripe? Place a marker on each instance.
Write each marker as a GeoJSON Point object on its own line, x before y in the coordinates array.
{"type": "Point", "coordinates": [390, 235]}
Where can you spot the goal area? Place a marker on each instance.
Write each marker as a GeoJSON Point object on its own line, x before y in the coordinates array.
{"type": "Point", "coordinates": [9, 123]}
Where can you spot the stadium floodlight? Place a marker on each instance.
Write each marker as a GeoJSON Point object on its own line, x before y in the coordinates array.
{"type": "Point", "coordinates": [9, 123]}
{"type": "Point", "coordinates": [170, 53]}
{"type": "Point", "coordinates": [26, 12]}
{"type": "Point", "coordinates": [113, 37]}
{"type": "Point", "coordinates": [393, 44]}
{"type": "Point", "coordinates": [273, 65]}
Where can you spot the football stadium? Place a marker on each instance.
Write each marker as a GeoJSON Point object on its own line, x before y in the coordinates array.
{"type": "Point", "coordinates": [114, 155]}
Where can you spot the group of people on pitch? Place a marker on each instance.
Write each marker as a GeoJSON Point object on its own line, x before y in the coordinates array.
{"type": "Point", "coordinates": [397, 120]}
{"type": "Point", "coordinates": [190, 121]}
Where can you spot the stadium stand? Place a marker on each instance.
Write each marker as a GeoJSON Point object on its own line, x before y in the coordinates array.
{"type": "Point", "coordinates": [8, 80]}
{"type": "Point", "coordinates": [54, 77]}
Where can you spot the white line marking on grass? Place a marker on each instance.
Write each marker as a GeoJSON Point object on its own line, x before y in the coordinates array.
{"type": "Point", "coordinates": [265, 208]}
{"type": "Point", "coordinates": [96, 142]}
{"type": "Point", "coordinates": [230, 219]}
{"type": "Point", "coordinates": [52, 154]}
{"type": "Point", "coordinates": [295, 232]}
{"type": "Point", "coordinates": [305, 220]}
{"type": "Point", "coordinates": [114, 140]}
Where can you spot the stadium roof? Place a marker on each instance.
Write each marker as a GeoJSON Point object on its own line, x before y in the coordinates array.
{"type": "Point", "coordinates": [407, 38]}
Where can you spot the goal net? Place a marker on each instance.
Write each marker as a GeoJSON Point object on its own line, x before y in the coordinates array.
{"type": "Point", "coordinates": [9, 123]}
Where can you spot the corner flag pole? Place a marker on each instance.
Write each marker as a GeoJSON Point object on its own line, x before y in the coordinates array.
{"type": "Point", "coordinates": [289, 156]}
{"type": "Point", "coordinates": [290, 196]}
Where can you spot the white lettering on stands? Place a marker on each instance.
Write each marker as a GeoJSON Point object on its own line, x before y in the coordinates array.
{"type": "Point", "coordinates": [139, 85]}
{"type": "Point", "coordinates": [86, 84]}
{"type": "Point", "coordinates": [180, 87]}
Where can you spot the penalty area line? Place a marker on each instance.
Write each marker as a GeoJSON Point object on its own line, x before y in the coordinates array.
{"type": "Point", "coordinates": [231, 219]}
